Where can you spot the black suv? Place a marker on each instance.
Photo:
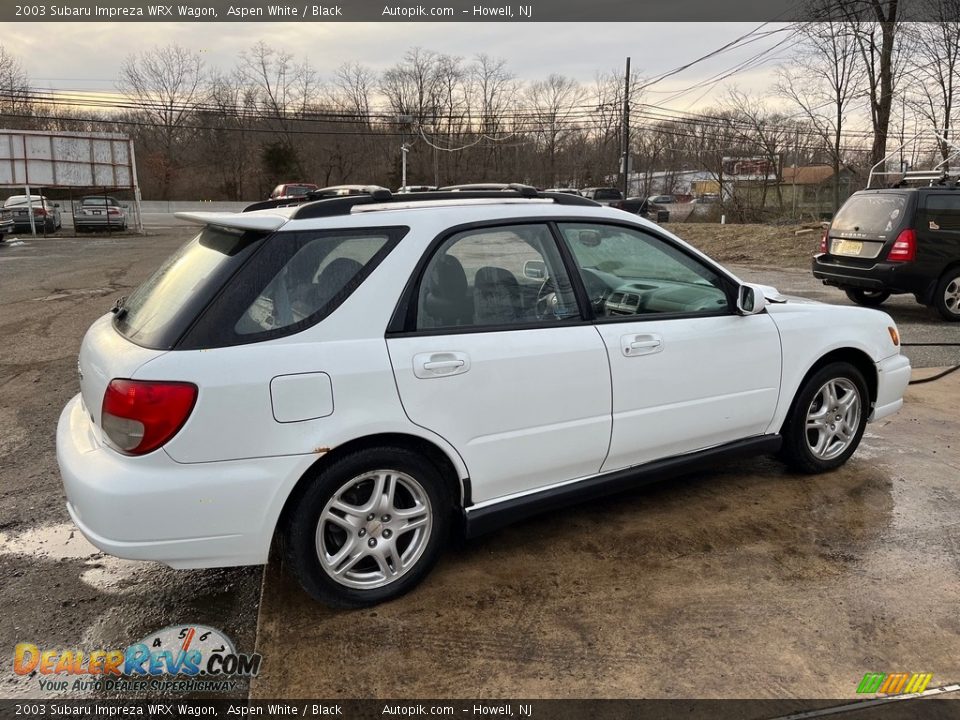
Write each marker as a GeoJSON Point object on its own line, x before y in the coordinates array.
{"type": "Point", "coordinates": [901, 240]}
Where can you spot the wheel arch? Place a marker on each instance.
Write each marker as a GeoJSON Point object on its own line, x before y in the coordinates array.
{"type": "Point", "coordinates": [459, 487]}
{"type": "Point", "coordinates": [854, 356]}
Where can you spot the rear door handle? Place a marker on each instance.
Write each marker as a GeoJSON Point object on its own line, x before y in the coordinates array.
{"type": "Point", "coordinates": [440, 364]}
{"type": "Point", "coordinates": [633, 345]}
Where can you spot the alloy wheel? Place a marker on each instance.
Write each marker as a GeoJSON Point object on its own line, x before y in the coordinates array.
{"type": "Point", "coordinates": [833, 418]}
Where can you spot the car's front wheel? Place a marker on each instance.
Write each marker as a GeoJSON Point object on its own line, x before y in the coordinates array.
{"type": "Point", "coordinates": [867, 298]}
{"type": "Point", "coordinates": [827, 420]}
{"type": "Point", "coordinates": [369, 528]}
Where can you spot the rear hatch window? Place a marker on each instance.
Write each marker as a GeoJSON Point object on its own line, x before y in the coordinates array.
{"type": "Point", "coordinates": [866, 222]}
{"type": "Point", "coordinates": [159, 312]}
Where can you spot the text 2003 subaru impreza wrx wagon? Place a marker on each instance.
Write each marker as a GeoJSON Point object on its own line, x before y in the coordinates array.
{"type": "Point", "coordinates": [361, 375]}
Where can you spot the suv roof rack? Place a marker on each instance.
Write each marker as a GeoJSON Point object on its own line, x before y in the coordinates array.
{"type": "Point", "coordinates": [937, 175]}
{"type": "Point", "coordinates": [373, 195]}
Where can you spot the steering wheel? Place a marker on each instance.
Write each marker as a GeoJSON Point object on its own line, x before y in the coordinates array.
{"type": "Point", "coordinates": [547, 301]}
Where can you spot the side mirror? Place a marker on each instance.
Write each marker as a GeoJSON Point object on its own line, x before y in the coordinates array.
{"type": "Point", "coordinates": [750, 299]}
{"type": "Point", "coordinates": [535, 270]}
{"type": "Point", "coordinates": [56, 204]}
{"type": "Point", "coordinates": [589, 238]}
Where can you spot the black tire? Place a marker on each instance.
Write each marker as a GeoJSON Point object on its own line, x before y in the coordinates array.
{"type": "Point", "coordinates": [867, 298]}
{"type": "Point", "coordinates": [300, 535]}
{"type": "Point", "coordinates": [946, 298]}
{"type": "Point", "coordinates": [796, 450]}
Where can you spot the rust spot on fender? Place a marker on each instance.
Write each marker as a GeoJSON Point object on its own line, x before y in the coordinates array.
{"type": "Point", "coordinates": [321, 450]}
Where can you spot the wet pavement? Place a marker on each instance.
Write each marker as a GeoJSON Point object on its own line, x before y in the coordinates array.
{"type": "Point", "coordinates": [745, 582]}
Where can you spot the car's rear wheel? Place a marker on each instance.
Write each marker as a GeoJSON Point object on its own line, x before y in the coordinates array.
{"type": "Point", "coordinates": [946, 298]}
{"type": "Point", "coordinates": [369, 528]}
{"type": "Point", "coordinates": [827, 419]}
{"type": "Point", "coordinates": [867, 298]}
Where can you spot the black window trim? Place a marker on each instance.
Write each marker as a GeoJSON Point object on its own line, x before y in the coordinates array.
{"type": "Point", "coordinates": [403, 322]}
{"type": "Point", "coordinates": [730, 285]}
{"type": "Point", "coordinates": [394, 233]}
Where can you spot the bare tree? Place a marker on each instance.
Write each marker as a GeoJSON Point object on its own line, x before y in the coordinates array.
{"type": "Point", "coordinates": [165, 83]}
{"type": "Point", "coordinates": [554, 103]}
{"type": "Point", "coordinates": [935, 67]}
{"type": "Point", "coordinates": [353, 86]}
{"type": "Point", "coordinates": [823, 80]}
{"type": "Point", "coordinates": [14, 85]}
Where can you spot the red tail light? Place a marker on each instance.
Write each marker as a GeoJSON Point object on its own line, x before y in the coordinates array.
{"type": "Point", "coordinates": [139, 416]}
{"type": "Point", "coordinates": [113, 211]}
{"type": "Point", "coordinates": [40, 211]}
{"type": "Point", "coordinates": [823, 241]}
{"type": "Point", "coordinates": [904, 247]}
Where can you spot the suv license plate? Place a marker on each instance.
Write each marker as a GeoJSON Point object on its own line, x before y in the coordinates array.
{"type": "Point", "coordinates": [847, 247]}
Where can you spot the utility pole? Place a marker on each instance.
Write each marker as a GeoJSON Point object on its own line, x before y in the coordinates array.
{"type": "Point", "coordinates": [404, 149]}
{"type": "Point", "coordinates": [626, 131]}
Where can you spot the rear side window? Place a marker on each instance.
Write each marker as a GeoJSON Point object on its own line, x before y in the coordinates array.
{"type": "Point", "coordinates": [876, 216]}
{"type": "Point", "coordinates": [158, 312]}
{"type": "Point", "coordinates": [942, 213]}
{"type": "Point", "coordinates": [294, 281]}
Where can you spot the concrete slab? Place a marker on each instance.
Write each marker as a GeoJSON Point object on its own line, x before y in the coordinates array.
{"type": "Point", "coordinates": [745, 582]}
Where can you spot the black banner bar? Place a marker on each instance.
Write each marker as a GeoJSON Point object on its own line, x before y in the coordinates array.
{"type": "Point", "coordinates": [433, 11]}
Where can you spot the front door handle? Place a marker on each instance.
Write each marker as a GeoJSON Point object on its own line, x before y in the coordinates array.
{"type": "Point", "coordinates": [633, 345]}
{"type": "Point", "coordinates": [440, 364]}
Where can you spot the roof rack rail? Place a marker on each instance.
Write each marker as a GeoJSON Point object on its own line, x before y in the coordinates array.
{"type": "Point", "coordinates": [935, 175]}
{"type": "Point", "coordinates": [334, 191]}
{"type": "Point", "coordinates": [342, 205]}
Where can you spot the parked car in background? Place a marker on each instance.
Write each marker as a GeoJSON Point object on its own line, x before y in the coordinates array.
{"type": "Point", "coordinates": [903, 240]}
{"type": "Point", "coordinates": [662, 199]}
{"type": "Point", "coordinates": [415, 188]}
{"type": "Point", "coordinates": [644, 208]}
{"type": "Point", "coordinates": [365, 375]}
{"type": "Point", "coordinates": [565, 191]}
{"type": "Point", "coordinates": [291, 190]}
{"type": "Point", "coordinates": [603, 195]}
{"type": "Point", "coordinates": [6, 223]}
{"type": "Point", "coordinates": [46, 214]}
{"type": "Point", "coordinates": [475, 187]}
{"type": "Point", "coordinates": [99, 212]}
{"type": "Point", "coordinates": [706, 199]}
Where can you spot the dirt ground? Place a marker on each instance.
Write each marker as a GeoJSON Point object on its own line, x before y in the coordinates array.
{"type": "Point", "coordinates": [789, 246]}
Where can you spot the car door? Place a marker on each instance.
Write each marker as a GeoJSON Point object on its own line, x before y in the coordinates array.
{"type": "Point", "coordinates": [688, 372]}
{"type": "Point", "coordinates": [496, 357]}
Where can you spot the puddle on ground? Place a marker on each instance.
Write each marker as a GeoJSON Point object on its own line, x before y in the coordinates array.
{"type": "Point", "coordinates": [64, 542]}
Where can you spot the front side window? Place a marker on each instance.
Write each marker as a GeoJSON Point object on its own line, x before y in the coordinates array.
{"type": "Point", "coordinates": [495, 277]}
{"type": "Point", "coordinates": [630, 273]}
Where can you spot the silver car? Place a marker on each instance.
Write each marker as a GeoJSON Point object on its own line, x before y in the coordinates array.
{"type": "Point", "coordinates": [99, 212]}
{"type": "Point", "coordinates": [46, 214]}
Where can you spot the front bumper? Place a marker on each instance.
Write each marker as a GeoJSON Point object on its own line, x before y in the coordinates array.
{"type": "Point", "coordinates": [893, 377]}
{"type": "Point", "coordinates": [153, 508]}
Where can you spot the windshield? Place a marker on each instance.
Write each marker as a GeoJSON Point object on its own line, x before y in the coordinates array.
{"type": "Point", "coordinates": [161, 309]}
{"type": "Point", "coordinates": [299, 190]}
{"type": "Point", "coordinates": [606, 194]}
{"type": "Point", "coordinates": [100, 201]}
{"type": "Point", "coordinates": [872, 216]}
{"type": "Point", "coordinates": [22, 200]}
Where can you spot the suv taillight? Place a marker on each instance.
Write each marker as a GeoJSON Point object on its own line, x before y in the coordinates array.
{"type": "Point", "coordinates": [904, 247]}
{"type": "Point", "coordinates": [139, 415]}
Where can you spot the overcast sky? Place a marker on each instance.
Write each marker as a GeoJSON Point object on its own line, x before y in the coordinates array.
{"type": "Point", "coordinates": [87, 56]}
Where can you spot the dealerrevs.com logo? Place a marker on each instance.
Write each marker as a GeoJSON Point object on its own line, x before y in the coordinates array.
{"type": "Point", "coordinates": [178, 658]}
{"type": "Point", "coordinates": [894, 683]}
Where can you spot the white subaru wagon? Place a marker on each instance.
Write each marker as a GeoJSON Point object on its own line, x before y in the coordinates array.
{"type": "Point", "coordinates": [361, 376]}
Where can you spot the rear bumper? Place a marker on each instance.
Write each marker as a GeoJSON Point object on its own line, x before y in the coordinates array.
{"type": "Point", "coordinates": [893, 377]}
{"type": "Point", "coordinates": [98, 222]}
{"type": "Point", "coordinates": [152, 508]}
{"type": "Point", "coordinates": [892, 277]}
